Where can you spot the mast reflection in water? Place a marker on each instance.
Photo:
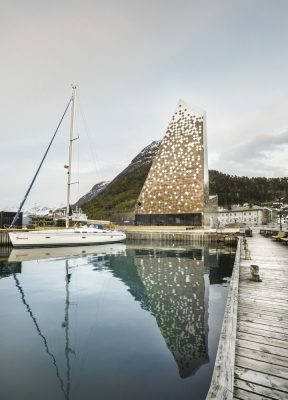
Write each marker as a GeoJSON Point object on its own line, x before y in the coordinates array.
{"type": "Point", "coordinates": [111, 322]}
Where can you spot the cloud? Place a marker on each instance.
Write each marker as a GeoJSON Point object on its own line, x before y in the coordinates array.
{"type": "Point", "coordinates": [133, 60]}
{"type": "Point", "coordinates": [257, 148]}
{"type": "Point", "coordinates": [263, 155]}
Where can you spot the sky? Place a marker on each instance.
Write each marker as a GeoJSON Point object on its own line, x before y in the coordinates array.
{"type": "Point", "coordinates": [132, 61]}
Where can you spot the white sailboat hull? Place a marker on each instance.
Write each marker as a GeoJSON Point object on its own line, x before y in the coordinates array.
{"type": "Point", "coordinates": [65, 237]}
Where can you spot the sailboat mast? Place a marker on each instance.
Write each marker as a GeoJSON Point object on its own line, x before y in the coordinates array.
{"type": "Point", "coordinates": [70, 153]}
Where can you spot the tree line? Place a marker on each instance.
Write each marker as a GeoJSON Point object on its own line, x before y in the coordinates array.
{"type": "Point", "coordinates": [232, 189]}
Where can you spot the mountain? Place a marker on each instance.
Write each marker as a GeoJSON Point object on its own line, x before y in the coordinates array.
{"type": "Point", "coordinates": [116, 200]}
{"type": "Point", "coordinates": [94, 192]}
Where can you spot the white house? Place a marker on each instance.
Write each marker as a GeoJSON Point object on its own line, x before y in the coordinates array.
{"type": "Point", "coordinates": [251, 216]}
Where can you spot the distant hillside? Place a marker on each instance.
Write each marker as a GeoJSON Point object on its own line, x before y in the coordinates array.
{"type": "Point", "coordinates": [115, 200]}
{"type": "Point", "coordinates": [120, 195]}
{"type": "Point", "coordinates": [232, 189]}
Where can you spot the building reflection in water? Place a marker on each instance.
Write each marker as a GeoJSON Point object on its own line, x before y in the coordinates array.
{"type": "Point", "coordinates": [13, 269]}
{"type": "Point", "coordinates": [8, 268]}
{"type": "Point", "coordinates": [219, 263]}
{"type": "Point", "coordinates": [170, 284]}
{"type": "Point", "coordinates": [174, 283]}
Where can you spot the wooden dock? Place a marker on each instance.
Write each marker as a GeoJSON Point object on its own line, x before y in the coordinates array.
{"type": "Point", "coordinates": [252, 358]}
{"type": "Point", "coordinates": [182, 234]}
{"type": "Point", "coordinates": [261, 362]}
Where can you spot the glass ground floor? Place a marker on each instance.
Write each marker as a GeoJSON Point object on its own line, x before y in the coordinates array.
{"type": "Point", "coordinates": [193, 219]}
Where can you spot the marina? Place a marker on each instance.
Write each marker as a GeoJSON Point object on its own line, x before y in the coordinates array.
{"type": "Point", "coordinates": [179, 234]}
{"type": "Point", "coordinates": [70, 236]}
{"type": "Point", "coordinates": [144, 207]}
{"type": "Point", "coordinates": [251, 357]}
{"type": "Point", "coordinates": [116, 320]}
{"type": "Point", "coordinates": [178, 265]}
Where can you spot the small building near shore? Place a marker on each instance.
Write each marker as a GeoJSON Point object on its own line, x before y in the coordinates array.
{"type": "Point", "coordinates": [251, 216]}
{"type": "Point", "coordinates": [6, 218]}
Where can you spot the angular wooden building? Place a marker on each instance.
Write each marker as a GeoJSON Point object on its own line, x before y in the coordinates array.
{"type": "Point", "coordinates": [176, 189]}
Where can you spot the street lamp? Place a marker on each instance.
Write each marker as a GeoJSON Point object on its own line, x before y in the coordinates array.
{"type": "Point", "coordinates": [280, 199]}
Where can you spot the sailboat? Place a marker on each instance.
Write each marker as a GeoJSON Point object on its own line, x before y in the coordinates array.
{"type": "Point", "coordinates": [94, 234]}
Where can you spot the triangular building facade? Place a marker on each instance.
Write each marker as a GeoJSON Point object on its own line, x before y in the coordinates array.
{"type": "Point", "coordinates": [176, 189]}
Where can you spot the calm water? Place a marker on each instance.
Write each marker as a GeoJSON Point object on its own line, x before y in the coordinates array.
{"type": "Point", "coordinates": [111, 322]}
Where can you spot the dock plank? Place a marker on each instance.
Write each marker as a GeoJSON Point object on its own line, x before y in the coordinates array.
{"type": "Point", "coordinates": [261, 333]}
{"type": "Point", "coordinates": [264, 303]}
{"type": "Point", "coordinates": [272, 320]}
{"type": "Point", "coordinates": [264, 340]}
{"type": "Point", "coordinates": [264, 348]}
{"type": "Point", "coordinates": [262, 366]}
{"type": "Point", "coordinates": [262, 356]}
{"type": "Point", "coordinates": [278, 332]}
{"type": "Point", "coordinates": [269, 310]}
{"type": "Point", "coordinates": [255, 297]}
{"type": "Point", "coordinates": [252, 389]}
{"type": "Point", "coordinates": [263, 379]}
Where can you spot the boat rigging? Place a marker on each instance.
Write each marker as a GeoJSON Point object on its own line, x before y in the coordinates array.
{"type": "Point", "coordinates": [69, 236]}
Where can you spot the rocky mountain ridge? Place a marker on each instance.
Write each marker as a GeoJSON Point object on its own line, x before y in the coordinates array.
{"type": "Point", "coordinates": [145, 157]}
{"type": "Point", "coordinates": [94, 192]}
{"type": "Point", "coordinates": [119, 196]}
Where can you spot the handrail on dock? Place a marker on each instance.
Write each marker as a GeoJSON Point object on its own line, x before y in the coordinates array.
{"type": "Point", "coordinates": [222, 382]}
